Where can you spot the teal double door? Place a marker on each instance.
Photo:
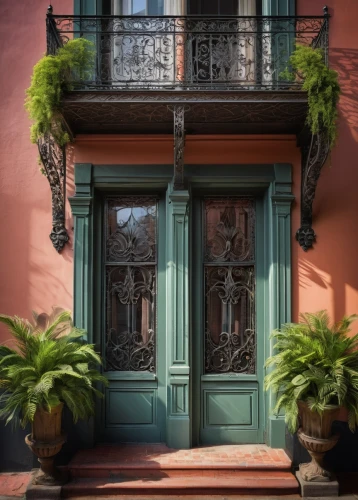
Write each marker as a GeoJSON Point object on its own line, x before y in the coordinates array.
{"type": "Point", "coordinates": [202, 373]}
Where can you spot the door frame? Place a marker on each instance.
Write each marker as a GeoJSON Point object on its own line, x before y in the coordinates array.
{"type": "Point", "coordinates": [272, 181]}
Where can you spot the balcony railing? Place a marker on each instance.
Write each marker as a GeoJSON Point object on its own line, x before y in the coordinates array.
{"type": "Point", "coordinates": [189, 53]}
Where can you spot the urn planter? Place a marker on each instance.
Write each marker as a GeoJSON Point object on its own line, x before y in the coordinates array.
{"type": "Point", "coordinates": [315, 434]}
{"type": "Point", "coordinates": [45, 442]}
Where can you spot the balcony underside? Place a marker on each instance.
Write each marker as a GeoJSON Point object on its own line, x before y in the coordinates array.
{"type": "Point", "coordinates": [206, 111]}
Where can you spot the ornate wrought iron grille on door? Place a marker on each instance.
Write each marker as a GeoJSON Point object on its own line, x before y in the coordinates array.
{"type": "Point", "coordinates": [229, 273]}
{"type": "Point", "coordinates": [131, 272]}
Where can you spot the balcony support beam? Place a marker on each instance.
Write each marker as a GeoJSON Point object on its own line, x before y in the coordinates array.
{"type": "Point", "coordinates": [53, 158]}
{"type": "Point", "coordinates": [179, 145]}
{"type": "Point", "coordinates": [314, 155]}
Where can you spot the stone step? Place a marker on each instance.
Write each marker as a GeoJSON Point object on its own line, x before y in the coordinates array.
{"type": "Point", "coordinates": [107, 460]}
{"type": "Point", "coordinates": [230, 483]}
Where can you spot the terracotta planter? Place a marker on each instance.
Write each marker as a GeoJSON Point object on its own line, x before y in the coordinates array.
{"type": "Point", "coordinates": [46, 441]}
{"type": "Point", "coordinates": [315, 434]}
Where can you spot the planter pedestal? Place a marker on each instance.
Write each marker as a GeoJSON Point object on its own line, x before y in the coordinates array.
{"type": "Point", "coordinates": [316, 436]}
{"type": "Point", "coordinates": [319, 489]}
{"type": "Point", "coordinates": [317, 448]}
{"type": "Point", "coordinates": [45, 442]}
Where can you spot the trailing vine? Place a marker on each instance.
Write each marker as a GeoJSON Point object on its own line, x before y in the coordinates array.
{"type": "Point", "coordinates": [321, 84]}
{"type": "Point", "coordinates": [51, 77]}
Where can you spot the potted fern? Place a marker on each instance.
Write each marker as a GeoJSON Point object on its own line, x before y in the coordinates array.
{"type": "Point", "coordinates": [46, 367]}
{"type": "Point", "coordinates": [315, 373]}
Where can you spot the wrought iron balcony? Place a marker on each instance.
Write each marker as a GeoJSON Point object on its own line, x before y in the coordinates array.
{"type": "Point", "coordinates": [211, 63]}
{"type": "Point", "coordinates": [189, 52]}
{"type": "Point", "coordinates": [188, 74]}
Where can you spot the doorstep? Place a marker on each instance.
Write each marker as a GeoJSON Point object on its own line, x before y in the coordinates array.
{"type": "Point", "coordinates": [14, 484]}
{"type": "Point", "coordinates": [156, 470]}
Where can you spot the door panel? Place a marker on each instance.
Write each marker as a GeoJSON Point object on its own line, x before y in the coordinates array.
{"type": "Point", "coordinates": [227, 373]}
{"type": "Point", "coordinates": [133, 337]}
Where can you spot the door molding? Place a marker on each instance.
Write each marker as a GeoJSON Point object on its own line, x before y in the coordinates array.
{"type": "Point", "coordinates": [271, 181]}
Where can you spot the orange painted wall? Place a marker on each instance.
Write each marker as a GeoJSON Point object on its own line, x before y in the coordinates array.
{"type": "Point", "coordinates": [328, 276]}
{"type": "Point", "coordinates": [34, 276]}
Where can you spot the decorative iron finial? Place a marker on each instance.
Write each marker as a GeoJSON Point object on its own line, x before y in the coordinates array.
{"type": "Point", "coordinates": [325, 10]}
{"type": "Point", "coordinates": [49, 9]}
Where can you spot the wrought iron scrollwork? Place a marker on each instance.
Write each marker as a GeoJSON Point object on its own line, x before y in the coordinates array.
{"type": "Point", "coordinates": [131, 252]}
{"type": "Point", "coordinates": [53, 158]}
{"type": "Point", "coordinates": [231, 350]}
{"type": "Point", "coordinates": [230, 354]}
{"type": "Point", "coordinates": [179, 145]}
{"type": "Point", "coordinates": [314, 157]}
{"type": "Point", "coordinates": [229, 230]}
{"type": "Point", "coordinates": [229, 256]}
{"type": "Point", "coordinates": [130, 339]}
{"type": "Point", "coordinates": [190, 51]}
{"type": "Point", "coordinates": [131, 229]}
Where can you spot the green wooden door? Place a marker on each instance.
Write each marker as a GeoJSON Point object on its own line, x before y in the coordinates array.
{"type": "Point", "coordinates": [227, 320]}
{"type": "Point", "coordinates": [130, 301]}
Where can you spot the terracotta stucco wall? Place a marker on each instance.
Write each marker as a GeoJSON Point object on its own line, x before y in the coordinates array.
{"type": "Point", "coordinates": [328, 276]}
{"type": "Point", "coordinates": [34, 276]}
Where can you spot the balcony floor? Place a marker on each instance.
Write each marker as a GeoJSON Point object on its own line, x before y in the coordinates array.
{"type": "Point", "coordinates": [206, 111]}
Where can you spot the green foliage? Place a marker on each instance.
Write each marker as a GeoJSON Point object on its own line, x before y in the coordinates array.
{"type": "Point", "coordinates": [48, 365]}
{"type": "Point", "coordinates": [321, 84]}
{"type": "Point", "coordinates": [51, 77]}
{"type": "Point", "coordinates": [316, 363]}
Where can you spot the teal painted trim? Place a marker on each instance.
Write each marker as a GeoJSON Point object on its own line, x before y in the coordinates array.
{"type": "Point", "coordinates": [279, 7]}
{"type": "Point", "coordinates": [85, 7]}
{"type": "Point", "coordinates": [81, 205]}
{"type": "Point", "coordinates": [231, 377]}
{"type": "Point", "coordinates": [130, 376]}
{"type": "Point", "coordinates": [178, 422]}
{"type": "Point", "coordinates": [197, 286]}
{"type": "Point", "coordinates": [277, 432]}
{"type": "Point", "coordinates": [159, 175]}
{"type": "Point", "coordinates": [81, 208]}
{"type": "Point", "coordinates": [261, 333]}
{"type": "Point", "coordinates": [77, 7]}
{"type": "Point", "coordinates": [282, 43]}
{"type": "Point", "coordinates": [278, 205]}
{"type": "Point", "coordinates": [234, 176]}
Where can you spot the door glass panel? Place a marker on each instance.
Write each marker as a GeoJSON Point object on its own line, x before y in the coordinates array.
{"type": "Point", "coordinates": [229, 230]}
{"type": "Point", "coordinates": [155, 7]}
{"type": "Point", "coordinates": [229, 265]}
{"type": "Point", "coordinates": [131, 273]}
{"type": "Point", "coordinates": [131, 230]}
{"type": "Point", "coordinates": [139, 7]}
{"type": "Point", "coordinates": [136, 7]}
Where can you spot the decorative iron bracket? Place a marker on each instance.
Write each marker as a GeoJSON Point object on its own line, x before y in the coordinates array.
{"type": "Point", "coordinates": [179, 145]}
{"type": "Point", "coordinates": [314, 156]}
{"type": "Point", "coordinates": [53, 158]}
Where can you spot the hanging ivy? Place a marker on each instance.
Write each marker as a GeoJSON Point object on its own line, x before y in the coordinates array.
{"type": "Point", "coordinates": [321, 84]}
{"type": "Point", "coordinates": [52, 76]}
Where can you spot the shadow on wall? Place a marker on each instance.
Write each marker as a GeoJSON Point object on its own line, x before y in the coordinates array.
{"type": "Point", "coordinates": [15, 455]}
{"type": "Point", "coordinates": [38, 283]}
{"type": "Point", "coordinates": [328, 274]}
